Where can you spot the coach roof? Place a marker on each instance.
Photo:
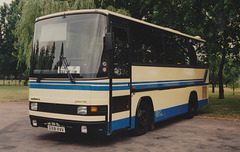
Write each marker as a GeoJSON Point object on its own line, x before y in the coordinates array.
{"type": "Point", "coordinates": [106, 12]}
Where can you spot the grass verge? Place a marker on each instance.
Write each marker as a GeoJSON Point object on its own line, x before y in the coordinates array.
{"type": "Point", "coordinates": [13, 93]}
{"type": "Point", "coordinates": [229, 107]}
{"type": "Point", "coordinates": [11, 83]}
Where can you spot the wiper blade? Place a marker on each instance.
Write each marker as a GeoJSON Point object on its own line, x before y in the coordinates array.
{"type": "Point", "coordinates": [39, 78]}
{"type": "Point", "coordinates": [65, 64]}
{"type": "Point", "coordinates": [63, 60]}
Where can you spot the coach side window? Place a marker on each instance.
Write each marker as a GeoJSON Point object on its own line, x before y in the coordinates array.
{"type": "Point", "coordinates": [198, 53]}
{"type": "Point", "coordinates": [170, 49]}
{"type": "Point", "coordinates": [176, 49]}
{"type": "Point", "coordinates": [147, 45]}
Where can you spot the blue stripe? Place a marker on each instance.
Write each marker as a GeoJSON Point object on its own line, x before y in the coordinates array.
{"type": "Point", "coordinates": [59, 82]}
{"type": "Point", "coordinates": [161, 85]}
{"type": "Point", "coordinates": [69, 87]}
{"type": "Point", "coordinates": [121, 123]}
{"type": "Point", "coordinates": [133, 122]}
{"type": "Point", "coordinates": [167, 81]}
{"type": "Point", "coordinates": [205, 75]}
{"type": "Point", "coordinates": [164, 114]}
{"type": "Point", "coordinates": [104, 86]}
{"type": "Point", "coordinates": [202, 103]}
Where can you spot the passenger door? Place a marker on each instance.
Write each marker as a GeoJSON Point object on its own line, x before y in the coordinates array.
{"type": "Point", "coordinates": [120, 100]}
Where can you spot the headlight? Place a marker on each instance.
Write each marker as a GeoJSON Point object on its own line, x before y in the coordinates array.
{"type": "Point", "coordinates": [82, 110]}
{"type": "Point", "coordinates": [34, 106]}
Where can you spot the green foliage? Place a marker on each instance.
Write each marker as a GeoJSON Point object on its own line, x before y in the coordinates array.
{"type": "Point", "coordinates": [224, 18]}
{"type": "Point", "coordinates": [135, 8]}
{"type": "Point", "coordinates": [31, 9]}
{"type": "Point", "coordinates": [232, 73]}
{"type": "Point", "coordinates": [8, 54]}
{"type": "Point", "coordinates": [83, 4]}
{"type": "Point", "coordinates": [120, 11]}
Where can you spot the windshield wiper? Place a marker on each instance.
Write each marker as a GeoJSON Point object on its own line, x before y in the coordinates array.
{"type": "Point", "coordinates": [63, 60]}
{"type": "Point", "coordinates": [65, 64]}
{"type": "Point", "coordinates": [39, 78]}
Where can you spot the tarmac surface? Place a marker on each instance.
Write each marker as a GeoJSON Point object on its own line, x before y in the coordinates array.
{"type": "Point", "coordinates": [178, 134]}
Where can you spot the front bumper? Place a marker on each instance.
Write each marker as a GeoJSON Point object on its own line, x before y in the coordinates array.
{"type": "Point", "coordinates": [72, 126]}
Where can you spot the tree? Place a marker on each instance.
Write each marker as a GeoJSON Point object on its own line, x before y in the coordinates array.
{"type": "Point", "coordinates": [234, 76]}
{"type": "Point", "coordinates": [8, 58]}
{"type": "Point", "coordinates": [215, 21]}
{"type": "Point", "coordinates": [213, 70]}
{"type": "Point", "coordinates": [225, 16]}
{"type": "Point", "coordinates": [3, 51]}
{"type": "Point", "coordinates": [135, 8]}
{"type": "Point", "coordinates": [232, 72]}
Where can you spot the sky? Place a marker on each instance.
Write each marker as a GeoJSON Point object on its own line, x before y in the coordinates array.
{"type": "Point", "coordinates": [6, 1]}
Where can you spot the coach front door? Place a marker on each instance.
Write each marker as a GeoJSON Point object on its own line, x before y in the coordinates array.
{"type": "Point", "coordinates": [120, 94]}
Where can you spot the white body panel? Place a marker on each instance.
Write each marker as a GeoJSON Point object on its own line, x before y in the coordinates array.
{"type": "Point", "coordinates": [63, 92]}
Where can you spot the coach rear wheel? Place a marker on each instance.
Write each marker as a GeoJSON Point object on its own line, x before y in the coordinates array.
{"type": "Point", "coordinates": [192, 109]}
{"type": "Point", "coordinates": [142, 119]}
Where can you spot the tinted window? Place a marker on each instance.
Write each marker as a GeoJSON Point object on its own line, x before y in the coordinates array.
{"type": "Point", "coordinates": [120, 56]}
{"type": "Point", "coordinates": [198, 53]}
{"type": "Point", "coordinates": [147, 45]}
{"type": "Point", "coordinates": [154, 46]}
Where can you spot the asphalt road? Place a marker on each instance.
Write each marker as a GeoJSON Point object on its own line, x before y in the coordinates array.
{"type": "Point", "coordinates": [178, 134]}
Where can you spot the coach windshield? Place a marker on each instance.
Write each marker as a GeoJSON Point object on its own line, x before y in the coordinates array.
{"type": "Point", "coordinates": [71, 44]}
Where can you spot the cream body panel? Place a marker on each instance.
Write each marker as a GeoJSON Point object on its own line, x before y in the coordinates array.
{"type": "Point", "coordinates": [67, 117]}
{"type": "Point", "coordinates": [163, 99]}
{"type": "Point", "coordinates": [116, 82]}
{"type": "Point", "coordinates": [120, 115]}
{"type": "Point", "coordinates": [99, 97]}
{"type": "Point", "coordinates": [147, 73]}
{"type": "Point", "coordinates": [120, 93]}
{"type": "Point", "coordinates": [78, 97]}
{"type": "Point", "coordinates": [60, 96]}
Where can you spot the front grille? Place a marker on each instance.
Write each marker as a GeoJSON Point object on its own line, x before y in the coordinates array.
{"type": "Point", "coordinates": [68, 109]}
{"type": "Point", "coordinates": [57, 108]}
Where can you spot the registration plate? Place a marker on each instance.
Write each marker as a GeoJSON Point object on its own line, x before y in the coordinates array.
{"type": "Point", "coordinates": [56, 128]}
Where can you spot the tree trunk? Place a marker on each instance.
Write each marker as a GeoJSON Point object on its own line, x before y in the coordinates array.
{"type": "Point", "coordinates": [213, 87]}
{"type": "Point", "coordinates": [233, 89]}
{"type": "Point", "coordinates": [220, 75]}
{"type": "Point", "coordinates": [25, 81]}
{"type": "Point", "coordinates": [213, 80]}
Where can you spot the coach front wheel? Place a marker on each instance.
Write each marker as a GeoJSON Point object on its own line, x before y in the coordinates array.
{"type": "Point", "coordinates": [142, 121]}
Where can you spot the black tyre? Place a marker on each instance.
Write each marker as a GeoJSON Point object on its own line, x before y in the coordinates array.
{"type": "Point", "coordinates": [192, 108]}
{"type": "Point", "coordinates": [142, 121]}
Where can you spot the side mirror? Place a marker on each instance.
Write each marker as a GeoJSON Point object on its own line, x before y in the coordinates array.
{"type": "Point", "coordinates": [108, 41]}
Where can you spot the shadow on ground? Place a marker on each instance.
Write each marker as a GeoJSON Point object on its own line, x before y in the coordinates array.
{"type": "Point", "coordinates": [100, 140]}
